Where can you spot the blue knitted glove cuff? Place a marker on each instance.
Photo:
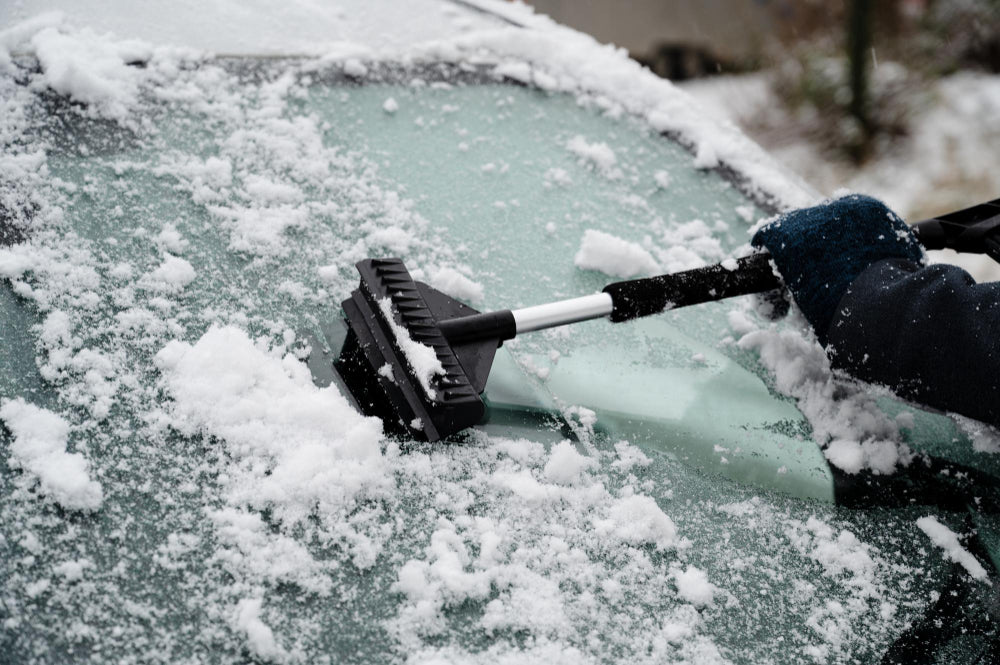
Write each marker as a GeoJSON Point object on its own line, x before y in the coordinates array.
{"type": "Point", "coordinates": [819, 251]}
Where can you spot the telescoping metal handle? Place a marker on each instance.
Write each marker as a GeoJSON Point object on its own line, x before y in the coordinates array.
{"type": "Point", "coordinates": [622, 301]}
{"type": "Point", "coordinates": [506, 324]}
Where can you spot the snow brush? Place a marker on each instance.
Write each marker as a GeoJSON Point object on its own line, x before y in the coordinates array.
{"type": "Point", "coordinates": [419, 359]}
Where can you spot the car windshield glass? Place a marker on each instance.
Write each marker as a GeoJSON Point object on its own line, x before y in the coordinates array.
{"type": "Point", "coordinates": [179, 489]}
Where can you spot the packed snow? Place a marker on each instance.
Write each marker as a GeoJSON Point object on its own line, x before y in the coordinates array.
{"type": "Point", "coordinates": [613, 255]}
{"type": "Point", "coordinates": [455, 284]}
{"type": "Point", "coordinates": [300, 27]}
{"type": "Point", "coordinates": [422, 359]}
{"type": "Point", "coordinates": [39, 447]}
{"type": "Point", "coordinates": [84, 66]}
{"type": "Point", "coordinates": [947, 540]}
{"type": "Point", "coordinates": [705, 157]}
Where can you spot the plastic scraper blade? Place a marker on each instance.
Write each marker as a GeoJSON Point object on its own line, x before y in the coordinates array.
{"type": "Point", "coordinates": [377, 370]}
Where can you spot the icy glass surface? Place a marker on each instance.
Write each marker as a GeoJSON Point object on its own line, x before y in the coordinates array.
{"type": "Point", "coordinates": [159, 310]}
{"type": "Point", "coordinates": [499, 171]}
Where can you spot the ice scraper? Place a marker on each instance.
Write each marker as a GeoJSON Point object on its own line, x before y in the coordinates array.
{"type": "Point", "coordinates": [419, 359]}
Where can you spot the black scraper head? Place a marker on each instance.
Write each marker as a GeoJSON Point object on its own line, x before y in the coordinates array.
{"type": "Point", "coordinates": [377, 372]}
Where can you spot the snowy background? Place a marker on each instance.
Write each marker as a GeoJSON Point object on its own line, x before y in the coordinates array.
{"type": "Point", "coordinates": [780, 72]}
{"type": "Point", "coordinates": [947, 161]}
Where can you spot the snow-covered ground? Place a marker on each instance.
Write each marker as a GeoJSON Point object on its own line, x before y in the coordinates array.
{"type": "Point", "coordinates": [949, 160]}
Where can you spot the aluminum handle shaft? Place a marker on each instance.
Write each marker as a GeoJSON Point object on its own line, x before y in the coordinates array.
{"type": "Point", "coordinates": [562, 312]}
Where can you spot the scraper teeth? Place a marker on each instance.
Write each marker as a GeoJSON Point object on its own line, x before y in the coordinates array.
{"type": "Point", "coordinates": [389, 277]}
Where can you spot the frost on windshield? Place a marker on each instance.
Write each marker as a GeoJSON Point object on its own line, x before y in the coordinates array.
{"type": "Point", "coordinates": [179, 488]}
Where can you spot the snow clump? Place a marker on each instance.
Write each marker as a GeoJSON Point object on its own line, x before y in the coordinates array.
{"type": "Point", "coordinates": [88, 68]}
{"type": "Point", "coordinates": [294, 449]}
{"type": "Point", "coordinates": [846, 420]}
{"type": "Point", "coordinates": [260, 637]}
{"type": "Point", "coordinates": [985, 438]}
{"type": "Point", "coordinates": [638, 520]}
{"type": "Point", "coordinates": [171, 240]}
{"type": "Point", "coordinates": [267, 407]}
{"type": "Point", "coordinates": [455, 284]}
{"type": "Point", "coordinates": [948, 541]}
{"type": "Point", "coordinates": [556, 177]}
{"type": "Point", "coordinates": [172, 275]}
{"type": "Point", "coordinates": [39, 448]}
{"type": "Point", "coordinates": [354, 67]}
{"type": "Point", "coordinates": [613, 256]}
{"type": "Point", "coordinates": [72, 571]}
{"type": "Point", "coordinates": [599, 154]}
{"type": "Point", "coordinates": [689, 245]}
{"type": "Point", "coordinates": [422, 359]}
{"type": "Point", "coordinates": [706, 158]}
{"type": "Point", "coordinates": [693, 586]}
{"type": "Point", "coordinates": [566, 464]}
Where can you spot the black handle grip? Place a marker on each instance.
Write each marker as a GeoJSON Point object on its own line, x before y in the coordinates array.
{"type": "Point", "coordinates": [974, 230]}
{"type": "Point", "coordinates": [642, 297]}
{"type": "Point", "coordinates": [499, 325]}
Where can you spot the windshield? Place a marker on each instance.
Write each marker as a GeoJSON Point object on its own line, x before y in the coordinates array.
{"type": "Point", "coordinates": [186, 263]}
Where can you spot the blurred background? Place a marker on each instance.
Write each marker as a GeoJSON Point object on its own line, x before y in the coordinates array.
{"type": "Point", "coordinates": [895, 98]}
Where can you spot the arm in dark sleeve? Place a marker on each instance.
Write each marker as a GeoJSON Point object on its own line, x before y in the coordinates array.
{"type": "Point", "coordinates": [928, 332]}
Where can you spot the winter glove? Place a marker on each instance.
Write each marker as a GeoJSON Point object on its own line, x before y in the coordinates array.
{"type": "Point", "coordinates": [819, 251]}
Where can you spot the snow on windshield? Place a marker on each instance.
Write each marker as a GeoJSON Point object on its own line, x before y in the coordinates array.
{"type": "Point", "coordinates": [186, 222]}
{"type": "Point", "coordinates": [257, 27]}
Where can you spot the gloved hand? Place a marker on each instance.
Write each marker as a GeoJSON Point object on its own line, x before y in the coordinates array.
{"type": "Point", "coordinates": [819, 251]}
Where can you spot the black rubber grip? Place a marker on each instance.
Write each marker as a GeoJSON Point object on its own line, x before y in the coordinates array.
{"type": "Point", "coordinates": [489, 325]}
{"type": "Point", "coordinates": [974, 230]}
{"type": "Point", "coordinates": [643, 297]}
